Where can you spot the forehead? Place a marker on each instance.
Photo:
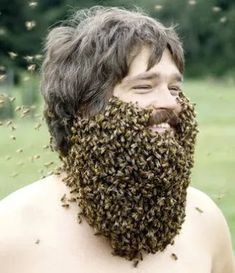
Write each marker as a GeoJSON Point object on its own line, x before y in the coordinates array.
{"type": "Point", "coordinates": [166, 67]}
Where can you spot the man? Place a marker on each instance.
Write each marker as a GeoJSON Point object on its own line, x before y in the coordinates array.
{"type": "Point", "coordinates": [125, 134]}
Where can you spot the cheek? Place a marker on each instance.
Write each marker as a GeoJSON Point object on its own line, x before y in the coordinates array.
{"type": "Point", "coordinates": [141, 100]}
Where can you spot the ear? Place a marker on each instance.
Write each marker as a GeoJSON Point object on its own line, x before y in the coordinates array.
{"type": "Point", "coordinates": [59, 43]}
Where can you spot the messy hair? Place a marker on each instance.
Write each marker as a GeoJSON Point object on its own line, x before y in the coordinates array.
{"type": "Point", "coordinates": [86, 56]}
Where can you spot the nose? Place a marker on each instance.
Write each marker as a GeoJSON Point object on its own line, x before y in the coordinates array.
{"type": "Point", "coordinates": [165, 100]}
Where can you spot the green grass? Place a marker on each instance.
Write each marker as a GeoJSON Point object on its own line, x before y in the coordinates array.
{"type": "Point", "coordinates": [214, 160]}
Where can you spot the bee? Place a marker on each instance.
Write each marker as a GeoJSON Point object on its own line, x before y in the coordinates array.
{"type": "Point", "coordinates": [48, 164]}
{"type": "Point", "coordinates": [173, 255]}
{"type": "Point", "coordinates": [63, 198]}
{"type": "Point", "coordinates": [136, 262]}
{"type": "Point", "coordinates": [33, 4]}
{"type": "Point", "coordinates": [38, 56]}
{"type": "Point", "coordinates": [12, 54]}
{"type": "Point", "coordinates": [30, 25]}
{"type": "Point", "coordinates": [37, 241]}
{"type": "Point", "coordinates": [2, 101]}
{"type": "Point", "coordinates": [14, 174]}
{"type": "Point", "coordinates": [46, 147]}
{"type": "Point", "coordinates": [9, 122]}
{"type": "Point", "coordinates": [37, 126]}
{"type": "Point", "coordinates": [18, 108]}
{"type": "Point", "coordinates": [28, 58]}
{"type": "Point", "coordinates": [26, 111]}
{"type": "Point", "coordinates": [26, 78]}
{"type": "Point", "coordinates": [199, 210]}
{"type": "Point", "coordinates": [2, 77]}
{"type": "Point", "coordinates": [12, 99]}
{"type": "Point", "coordinates": [223, 19]}
{"type": "Point", "coordinates": [12, 137]}
{"type": "Point", "coordinates": [31, 67]}
{"type": "Point", "coordinates": [65, 206]}
{"type": "Point", "coordinates": [79, 219]}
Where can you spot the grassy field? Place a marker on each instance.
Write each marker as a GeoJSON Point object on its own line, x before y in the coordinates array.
{"type": "Point", "coordinates": [214, 171]}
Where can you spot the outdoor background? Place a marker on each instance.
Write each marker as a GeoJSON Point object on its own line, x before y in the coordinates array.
{"type": "Point", "coordinates": [207, 29]}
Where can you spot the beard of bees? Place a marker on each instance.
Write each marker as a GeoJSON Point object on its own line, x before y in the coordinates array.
{"type": "Point", "coordinates": [130, 182]}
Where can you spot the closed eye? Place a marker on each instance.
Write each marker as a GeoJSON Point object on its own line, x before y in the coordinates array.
{"type": "Point", "coordinates": [176, 88]}
{"type": "Point", "coordinates": [142, 89]}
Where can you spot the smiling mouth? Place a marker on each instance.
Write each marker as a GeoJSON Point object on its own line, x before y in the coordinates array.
{"type": "Point", "coordinates": [161, 128]}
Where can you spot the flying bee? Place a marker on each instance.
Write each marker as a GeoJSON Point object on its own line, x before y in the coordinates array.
{"type": "Point", "coordinates": [33, 4]}
{"type": "Point", "coordinates": [38, 56]}
{"type": "Point", "coordinates": [48, 164]}
{"type": "Point", "coordinates": [46, 147]}
{"type": "Point", "coordinates": [12, 55]}
{"type": "Point", "coordinates": [31, 67]}
{"type": "Point", "coordinates": [26, 78]}
{"type": "Point", "coordinates": [25, 112]}
{"type": "Point", "coordinates": [12, 137]}
{"type": "Point", "coordinates": [2, 77]}
{"type": "Point", "coordinates": [9, 122]}
{"type": "Point", "coordinates": [30, 25]}
{"type": "Point", "coordinates": [2, 101]}
{"type": "Point", "coordinates": [12, 99]}
{"type": "Point", "coordinates": [28, 58]}
{"type": "Point", "coordinates": [14, 174]}
{"type": "Point", "coordinates": [37, 126]}
{"type": "Point", "coordinates": [18, 108]}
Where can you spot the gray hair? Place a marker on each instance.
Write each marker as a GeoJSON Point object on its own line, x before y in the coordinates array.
{"type": "Point", "coordinates": [88, 55]}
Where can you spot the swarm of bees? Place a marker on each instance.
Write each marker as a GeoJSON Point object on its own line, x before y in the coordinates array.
{"type": "Point", "coordinates": [129, 182]}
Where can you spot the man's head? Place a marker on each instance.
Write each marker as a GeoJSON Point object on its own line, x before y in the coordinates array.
{"type": "Point", "coordinates": [93, 57]}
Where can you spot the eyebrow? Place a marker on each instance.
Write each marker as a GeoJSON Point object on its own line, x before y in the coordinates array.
{"type": "Point", "coordinates": [151, 76]}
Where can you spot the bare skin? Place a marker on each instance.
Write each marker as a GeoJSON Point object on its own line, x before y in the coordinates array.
{"type": "Point", "coordinates": [38, 235]}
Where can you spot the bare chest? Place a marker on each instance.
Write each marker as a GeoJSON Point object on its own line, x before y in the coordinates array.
{"type": "Point", "coordinates": [65, 247]}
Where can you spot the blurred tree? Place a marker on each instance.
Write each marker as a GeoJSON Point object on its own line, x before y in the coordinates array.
{"type": "Point", "coordinates": [206, 27]}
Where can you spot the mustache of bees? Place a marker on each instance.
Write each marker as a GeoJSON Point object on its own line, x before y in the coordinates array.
{"type": "Point", "coordinates": [130, 182]}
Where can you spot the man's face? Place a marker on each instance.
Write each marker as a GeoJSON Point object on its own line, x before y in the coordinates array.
{"type": "Point", "coordinates": [157, 88]}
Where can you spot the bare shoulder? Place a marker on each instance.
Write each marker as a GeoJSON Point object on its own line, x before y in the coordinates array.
{"type": "Point", "coordinates": [31, 194]}
{"type": "Point", "coordinates": [25, 215]}
{"type": "Point", "coordinates": [213, 228]}
{"type": "Point", "coordinates": [197, 196]}
{"type": "Point", "coordinates": [206, 212]}
{"type": "Point", "coordinates": [29, 204]}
